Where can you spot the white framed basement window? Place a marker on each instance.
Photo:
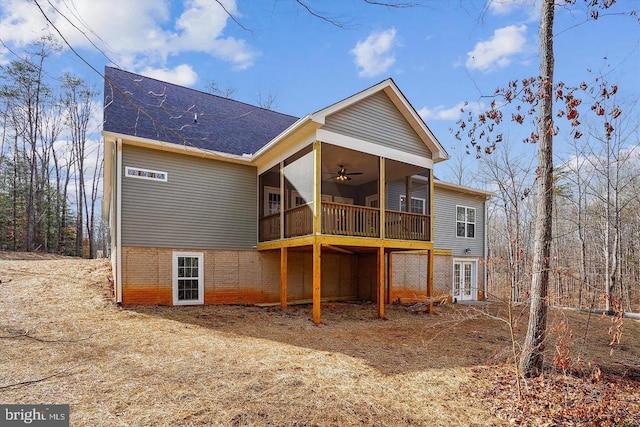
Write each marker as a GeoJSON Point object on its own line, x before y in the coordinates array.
{"type": "Point", "coordinates": [133, 172]}
{"type": "Point", "coordinates": [465, 222]}
{"type": "Point", "coordinates": [188, 278]}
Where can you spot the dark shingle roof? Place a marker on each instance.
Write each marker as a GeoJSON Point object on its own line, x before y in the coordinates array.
{"type": "Point", "coordinates": [140, 106]}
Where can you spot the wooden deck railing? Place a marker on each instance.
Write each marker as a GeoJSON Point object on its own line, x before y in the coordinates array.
{"type": "Point", "coordinates": [350, 220]}
{"type": "Point", "coordinates": [347, 220]}
{"type": "Point", "coordinates": [298, 221]}
{"type": "Point", "coordinates": [269, 227]}
{"type": "Point", "coordinates": [407, 226]}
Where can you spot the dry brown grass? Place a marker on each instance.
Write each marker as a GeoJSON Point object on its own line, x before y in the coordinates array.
{"type": "Point", "coordinates": [228, 365]}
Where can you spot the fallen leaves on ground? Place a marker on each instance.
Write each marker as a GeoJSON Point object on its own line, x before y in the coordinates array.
{"type": "Point", "coordinates": [557, 398]}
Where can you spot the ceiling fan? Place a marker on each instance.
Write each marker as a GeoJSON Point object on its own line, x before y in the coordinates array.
{"type": "Point", "coordinates": [342, 175]}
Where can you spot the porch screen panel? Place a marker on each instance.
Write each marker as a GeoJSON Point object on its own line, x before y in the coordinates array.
{"type": "Point", "coordinates": [298, 178]}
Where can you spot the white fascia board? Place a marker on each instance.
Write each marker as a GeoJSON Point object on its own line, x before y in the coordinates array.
{"type": "Point", "coordinates": [437, 150]}
{"type": "Point", "coordinates": [283, 135]}
{"type": "Point", "coordinates": [356, 144]}
{"type": "Point", "coordinates": [177, 148]}
{"type": "Point", "coordinates": [463, 189]}
{"type": "Point", "coordinates": [320, 115]}
{"type": "Point", "coordinates": [284, 154]}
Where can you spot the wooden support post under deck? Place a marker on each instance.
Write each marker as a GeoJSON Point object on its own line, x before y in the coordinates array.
{"type": "Point", "coordinates": [430, 279]}
{"type": "Point", "coordinates": [381, 282]}
{"type": "Point", "coordinates": [283, 277]}
{"type": "Point", "coordinates": [316, 282]}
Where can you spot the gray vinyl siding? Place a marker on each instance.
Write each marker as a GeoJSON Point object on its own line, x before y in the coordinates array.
{"type": "Point", "coordinates": [204, 204]}
{"type": "Point", "coordinates": [376, 119]}
{"type": "Point", "coordinates": [395, 189]}
{"type": "Point", "coordinates": [445, 203]}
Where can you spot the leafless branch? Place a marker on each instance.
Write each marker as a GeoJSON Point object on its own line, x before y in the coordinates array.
{"type": "Point", "coordinates": [321, 16]}
{"type": "Point", "coordinates": [233, 18]}
{"type": "Point", "coordinates": [399, 5]}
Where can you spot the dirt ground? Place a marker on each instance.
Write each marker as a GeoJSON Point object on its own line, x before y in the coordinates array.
{"type": "Point", "coordinates": [64, 341]}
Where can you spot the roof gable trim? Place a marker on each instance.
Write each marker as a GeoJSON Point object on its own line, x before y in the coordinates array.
{"type": "Point", "coordinates": [389, 87]}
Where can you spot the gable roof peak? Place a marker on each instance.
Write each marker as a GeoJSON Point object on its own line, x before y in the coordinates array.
{"type": "Point", "coordinates": [389, 87]}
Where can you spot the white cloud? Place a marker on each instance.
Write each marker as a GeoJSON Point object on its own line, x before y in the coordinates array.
{"type": "Point", "coordinates": [182, 75]}
{"type": "Point", "coordinates": [374, 56]}
{"type": "Point", "coordinates": [440, 112]}
{"type": "Point", "coordinates": [130, 32]}
{"type": "Point", "coordinates": [503, 7]}
{"type": "Point", "coordinates": [507, 7]}
{"type": "Point", "coordinates": [200, 28]}
{"type": "Point", "coordinates": [499, 50]}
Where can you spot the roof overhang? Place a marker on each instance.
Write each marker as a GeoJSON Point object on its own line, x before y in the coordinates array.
{"type": "Point", "coordinates": [292, 139]}
{"type": "Point", "coordinates": [301, 133]}
{"type": "Point", "coordinates": [176, 148]}
{"type": "Point", "coordinates": [463, 189]}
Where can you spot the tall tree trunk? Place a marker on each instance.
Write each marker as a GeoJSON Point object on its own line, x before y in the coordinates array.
{"type": "Point", "coordinates": [14, 210]}
{"type": "Point", "coordinates": [532, 358]}
{"type": "Point", "coordinates": [91, 229]}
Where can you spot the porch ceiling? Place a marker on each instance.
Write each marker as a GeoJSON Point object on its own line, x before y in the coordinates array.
{"type": "Point", "coordinates": [353, 161]}
{"type": "Point", "coordinates": [334, 156]}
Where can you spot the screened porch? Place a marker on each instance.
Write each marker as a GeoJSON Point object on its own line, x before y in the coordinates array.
{"type": "Point", "coordinates": [350, 186]}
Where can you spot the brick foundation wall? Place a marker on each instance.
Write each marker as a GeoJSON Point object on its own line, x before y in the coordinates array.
{"type": "Point", "coordinates": [235, 277]}
{"type": "Point", "coordinates": [409, 274]}
{"type": "Point", "coordinates": [442, 275]}
{"type": "Point", "coordinates": [251, 277]}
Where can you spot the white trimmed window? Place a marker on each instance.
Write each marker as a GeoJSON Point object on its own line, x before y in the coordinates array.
{"type": "Point", "coordinates": [417, 205]}
{"type": "Point", "coordinates": [297, 199]}
{"type": "Point", "coordinates": [466, 222]}
{"type": "Point", "coordinates": [132, 172]}
{"type": "Point", "coordinates": [188, 278]}
{"type": "Point", "coordinates": [372, 201]}
{"type": "Point", "coordinates": [271, 201]}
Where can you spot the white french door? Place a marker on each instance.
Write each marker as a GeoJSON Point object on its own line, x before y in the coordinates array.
{"type": "Point", "coordinates": [464, 280]}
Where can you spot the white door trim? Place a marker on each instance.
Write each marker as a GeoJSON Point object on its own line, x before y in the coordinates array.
{"type": "Point", "coordinates": [459, 291]}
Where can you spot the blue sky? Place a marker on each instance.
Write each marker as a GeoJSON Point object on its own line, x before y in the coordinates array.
{"type": "Point", "coordinates": [441, 53]}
